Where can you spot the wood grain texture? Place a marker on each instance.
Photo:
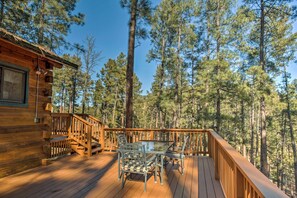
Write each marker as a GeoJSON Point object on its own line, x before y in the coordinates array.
{"type": "Point", "coordinates": [21, 142]}
{"type": "Point", "coordinates": [75, 176]}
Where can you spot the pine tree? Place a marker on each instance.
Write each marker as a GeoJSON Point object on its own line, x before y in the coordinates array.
{"type": "Point", "coordinates": [91, 57]}
{"type": "Point", "coordinates": [51, 21]}
{"type": "Point", "coordinates": [138, 9]}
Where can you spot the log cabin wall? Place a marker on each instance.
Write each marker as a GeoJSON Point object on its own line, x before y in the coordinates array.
{"type": "Point", "coordinates": [21, 139]}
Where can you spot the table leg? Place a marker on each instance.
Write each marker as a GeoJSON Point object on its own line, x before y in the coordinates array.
{"type": "Point", "coordinates": [162, 170]}
{"type": "Point", "coordinates": [119, 173]}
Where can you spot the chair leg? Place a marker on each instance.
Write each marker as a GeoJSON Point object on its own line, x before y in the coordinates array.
{"type": "Point", "coordinates": [123, 179]}
{"type": "Point", "coordinates": [155, 172]}
{"type": "Point", "coordinates": [182, 165]}
{"type": "Point", "coordinates": [119, 172]}
{"type": "Point", "coordinates": [145, 179]}
{"type": "Point", "coordinates": [161, 170]}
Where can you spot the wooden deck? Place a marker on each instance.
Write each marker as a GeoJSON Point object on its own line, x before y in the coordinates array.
{"type": "Point", "coordinates": [76, 176]}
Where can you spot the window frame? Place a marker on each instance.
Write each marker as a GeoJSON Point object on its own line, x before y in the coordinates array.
{"type": "Point", "coordinates": [20, 69]}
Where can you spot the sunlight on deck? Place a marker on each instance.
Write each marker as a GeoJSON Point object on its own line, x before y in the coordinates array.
{"type": "Point", "coordinates": [76, 176]}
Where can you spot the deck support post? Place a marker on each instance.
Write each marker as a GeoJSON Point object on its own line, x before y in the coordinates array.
{"type": "Point", "coordinates": [209, 145]}
{"type": "Point", "coordinates": [102, 141]}
{"type": "Point", "coordinates": [216, 161]}
{"type": "Point", "coordinates": [89, 141]}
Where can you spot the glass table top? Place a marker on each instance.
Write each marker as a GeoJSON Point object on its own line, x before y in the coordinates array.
{"type": "Point", "coordinates": [156, 146]}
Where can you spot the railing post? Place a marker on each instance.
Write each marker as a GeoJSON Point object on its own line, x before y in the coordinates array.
{"type": "Point", "coordinates": [102, 138]}
{"type": "Point", "coordinates": [70, 127]}
{"type": "Point", "coordinates": [216, 161]}
{"type": "Point", "coordinates": [90, 131]}
{"type": "Point", "coordinates": [151, 135]}
{"type": "Point", "coordinates": [209, 141]}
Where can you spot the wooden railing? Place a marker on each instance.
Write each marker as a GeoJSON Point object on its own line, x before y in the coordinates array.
{"type": "Point", "coordinates": [238, 177]}
{"type": "Point", "coordinates": [81, 132]}
{"type": "Point", "coordinates": [60, 123]}
{"type": "Point", "coordinates": [81, 128]}
{"type": "Point", "coordinates": [198, 139]}
{"type": "Point", "coordinates": [98, 127]}
{"type": "Point", "coordinates": [58, 148]}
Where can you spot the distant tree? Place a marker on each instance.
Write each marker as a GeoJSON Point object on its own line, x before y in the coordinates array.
{"type": "Point", "coordinates": [91, 57]}
{"type": "Point", "coordinates": [64, 90]}
{"type": "Point", "coordinates": [51, 22]}
{"type": "Point", "coordinates": [267, 13]}
{"type": "Point", "coordinates": [12, 11]}
{"type": "Point", "coordinates": [110, 92]}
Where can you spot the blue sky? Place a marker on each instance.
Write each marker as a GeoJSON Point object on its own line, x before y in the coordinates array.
{"type": "Point", "coordinates": [108, 23]}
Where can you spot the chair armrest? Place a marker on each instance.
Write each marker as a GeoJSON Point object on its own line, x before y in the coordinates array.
{"type": "Point", "coordinates": [150, 157]}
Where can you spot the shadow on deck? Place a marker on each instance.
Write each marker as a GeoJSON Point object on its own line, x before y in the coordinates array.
{"type": "Point", "coordinates": [76, 176]}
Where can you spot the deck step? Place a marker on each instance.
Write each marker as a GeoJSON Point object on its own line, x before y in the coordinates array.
{"type": "Point", "coordinates": [95, 144]}
{"type": "Point", "coordinates": [95, 150]}
{"type": "Point", "coordinates": [80, 148]}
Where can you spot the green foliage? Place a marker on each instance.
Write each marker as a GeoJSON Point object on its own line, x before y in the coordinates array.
{"type": "Point", "coordinates": [110, 92]}
{"type": "Point", "coordinates": [46, 22]}
{"type": "Point", "coordinates": [209, 72]}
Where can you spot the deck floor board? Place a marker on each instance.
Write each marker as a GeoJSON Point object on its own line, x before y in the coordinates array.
{"type": "Point", "coordinates": [75, 176]}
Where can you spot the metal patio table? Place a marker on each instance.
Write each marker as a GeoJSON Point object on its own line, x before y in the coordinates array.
{"type": "Point", "coordinates": [158, 148]}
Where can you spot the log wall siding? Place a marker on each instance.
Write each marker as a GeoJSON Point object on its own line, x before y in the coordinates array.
{"type": "Point", "coordinates": [21, 139]}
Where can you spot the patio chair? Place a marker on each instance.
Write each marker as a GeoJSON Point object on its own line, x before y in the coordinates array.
{"type": "Point", "coordinates": [178, 154]}
{"type": "Point", "coordinates": [134, 159]}
{"type": "Point", "coordinates": [122, 141]}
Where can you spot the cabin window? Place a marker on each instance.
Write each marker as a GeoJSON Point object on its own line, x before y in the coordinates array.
{"type": "Point", "coordinates": [13, 86]}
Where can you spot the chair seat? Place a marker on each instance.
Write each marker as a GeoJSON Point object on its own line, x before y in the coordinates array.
{"type": "Point", "coordinates": [137, 167]}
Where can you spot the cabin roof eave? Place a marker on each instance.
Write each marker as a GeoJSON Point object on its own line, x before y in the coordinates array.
{"type": "Point", "coordinates": [34, 48]}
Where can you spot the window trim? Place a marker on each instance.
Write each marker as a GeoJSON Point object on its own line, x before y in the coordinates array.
{"type": "Point", "coordinates": [26, 86]}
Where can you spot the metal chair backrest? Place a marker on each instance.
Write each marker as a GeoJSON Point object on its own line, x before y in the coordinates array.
{"type": "Point", "coordinates": [133, 152]}
{"type": "Point", "coordinates": [185, 143]}
{"type": "Point", "coordinates": [122, 140]}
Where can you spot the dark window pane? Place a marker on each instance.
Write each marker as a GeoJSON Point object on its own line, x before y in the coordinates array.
{"type": "Point", "coordinates": [13, 86]}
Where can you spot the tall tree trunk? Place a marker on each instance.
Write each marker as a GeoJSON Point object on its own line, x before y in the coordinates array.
{"type": "Point", "coordinates": [264, 163]}
{"type": "Point", "coordinates": [206, 112]}
{"type": "Point", "coordinates": [243, 133]}
{"type": "Point", "coordinates": [252, 127]}
{"type": "Point", "coordinates": [283, 132]}
{"type": "Point", "coordinates": [293, 142]}
{"type": "Point", "coordinates": [74, 92]}
{"type": "Point", "coordinates": [40, 38]}
{"type": "Point", "coordinates": [257, 134]}
{"type": "Point", "coordinates": [83, 102]}
{"type": "Point", "coordinates": [177, 97]}
{"type": "Point", "coordinates": [130, 65]}
{"type": "Point", "coordinates": [114, 108]}
{"type": "Point", "coordinates": [192, 96]}
{"type": "Point", "coordinates": [217, 70]}
{"type": "Point", "coordinates": [162, 71]}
